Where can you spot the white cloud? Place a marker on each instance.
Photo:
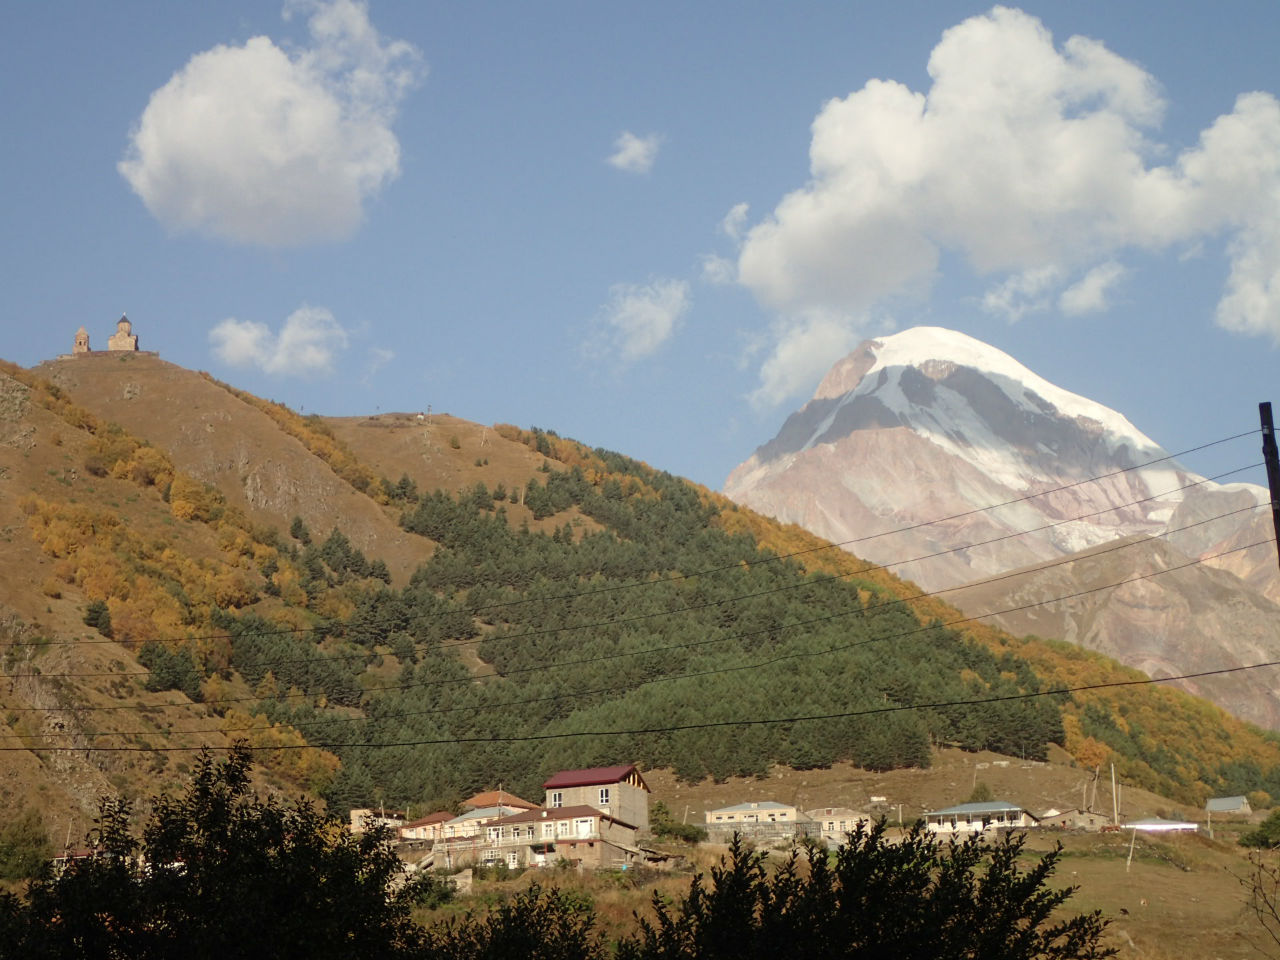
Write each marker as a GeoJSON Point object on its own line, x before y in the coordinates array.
{"type": "Point", "coordinates": [1022, 293]}
{"type": "Point", "coordinates": [1032, 162]}
{"type": "Point", "coordinates": [718, 270]}
{"type": "Point", "coordinates": [733, 222]}
{"type": "Point", "coordinates": [640, 318]}
{"type": "Point", "coordinates": [634, 154]}
{"type": "Point", "coordinates": [1090, 293]}
{"type": "Point", "coordinates": [306, 345]}
{"type": "Point", "coordinates": [804, 348]}
{"type": "Point", "coordinates": [263, 145]}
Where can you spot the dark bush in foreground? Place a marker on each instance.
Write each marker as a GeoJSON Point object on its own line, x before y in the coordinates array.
{"type": "Point", "coordinates": [914, 900]}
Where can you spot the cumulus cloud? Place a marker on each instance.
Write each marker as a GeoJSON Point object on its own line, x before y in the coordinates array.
{"type": "Point", "coordinates": [1090, 293]}
{"type": "Point", "coordinates": [306, 345]}
{"type": "Point", "coordinates": [276, 146]}
{"type": "Point", "coordinates": [634, 154]}
{"type": "Point", "coordinates": [640, 318]}
{"type": "Point", "coordinates": [1034, 163]}
{"type": "Point", "coordinates": [804, 348]}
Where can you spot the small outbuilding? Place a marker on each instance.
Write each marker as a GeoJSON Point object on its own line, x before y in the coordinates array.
{"type": "Point", "coordinates": [1073, 819]}
{"type": "Point", "coordinates": [1226, 807]}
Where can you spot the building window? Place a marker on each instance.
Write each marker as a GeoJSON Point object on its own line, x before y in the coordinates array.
{"type": "Point", "coordinates": [604, 795]}
{"type": "Point", "coordinates": [557, 799]}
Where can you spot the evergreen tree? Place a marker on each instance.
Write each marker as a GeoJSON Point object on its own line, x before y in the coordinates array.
{"type": "Point", "coordinates": [99, 617]}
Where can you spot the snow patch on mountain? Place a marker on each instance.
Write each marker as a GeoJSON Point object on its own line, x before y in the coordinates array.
{"type": "Point", "coordinates": [922, 346]}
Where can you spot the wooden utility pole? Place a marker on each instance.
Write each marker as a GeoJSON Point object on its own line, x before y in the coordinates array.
{"type": "Point", "coordinates": [1115, 804]}
{"type": "Point", "coordinates": [1272, 459]}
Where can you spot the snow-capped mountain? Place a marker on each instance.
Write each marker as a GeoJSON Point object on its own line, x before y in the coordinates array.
{"type": "Point", "coordinates": [929, 424]}
{"type": "Point", "coordinates": [950, 463]}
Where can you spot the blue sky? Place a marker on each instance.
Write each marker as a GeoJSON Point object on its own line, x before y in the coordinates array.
{"type": "Point", "coordinates": [650, 227]}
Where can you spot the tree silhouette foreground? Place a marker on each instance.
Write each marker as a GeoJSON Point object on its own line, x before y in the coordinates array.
{"type": "Point", "coordinates": [914, 899]}
{"type": "Point", "coordinates": [218, 873]}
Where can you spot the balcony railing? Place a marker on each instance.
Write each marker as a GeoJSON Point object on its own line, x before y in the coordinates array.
{"type": "Point", "coordinates": [483, 840]}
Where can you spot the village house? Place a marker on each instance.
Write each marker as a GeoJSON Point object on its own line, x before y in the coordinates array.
{"type": "Point", "coordinates": [761, 811]}
{"type": "Point", "coordinates": [971, 818]}
{"type": "Point", "coordinates": [618, 791]}
{"type": "Point", "coordinates": [835, 822]}
{"type": "Point", "coordinates": [471, 823]}
{"type": "Point", "coordinates": [426, 828]}
{"type": "Point", "coordinates": [759, 820]}
{"type": "Point", "coordinates": [579, 834]}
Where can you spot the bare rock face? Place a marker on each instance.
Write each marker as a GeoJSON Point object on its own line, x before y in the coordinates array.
{"type": "Point", "coordinates": [949, 462]}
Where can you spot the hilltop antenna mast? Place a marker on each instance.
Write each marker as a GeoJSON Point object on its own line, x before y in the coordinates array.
{"type": "Point", "coordinates": [1272, 460]}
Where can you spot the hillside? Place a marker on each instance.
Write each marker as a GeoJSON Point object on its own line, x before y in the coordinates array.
{"type": "Point", "coordinates": [402, 611]}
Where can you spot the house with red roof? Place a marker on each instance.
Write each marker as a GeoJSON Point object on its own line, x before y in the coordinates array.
{"type": "Point", "coordinates": [619, 792]}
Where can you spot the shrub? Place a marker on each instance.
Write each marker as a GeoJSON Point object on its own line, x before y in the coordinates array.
{"type": "Point", "coordinates": [24, 846]}
{"type": "Point", "coordinates": [1266, 835]}
{"type": "Point", "coordinates": [99, 617]}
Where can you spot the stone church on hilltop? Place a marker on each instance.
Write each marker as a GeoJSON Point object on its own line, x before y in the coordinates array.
{"type": "Point", "coordinates": [124, 340]}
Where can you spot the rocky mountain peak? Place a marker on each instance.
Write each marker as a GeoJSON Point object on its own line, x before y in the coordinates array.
{"type": "Point", "coordinates": [949, 462]}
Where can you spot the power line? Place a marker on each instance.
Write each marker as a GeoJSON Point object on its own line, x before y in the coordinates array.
{"type": "Point", "coordinates": [280, 631]}
{"type": "Point", "coordinates": [1121, 545]}
{"type": "Point", "coordinates": [723, 670]}
{"type": "Point", "coordinates": [621, 621]}
{"type": "Point", "coordinates": [676, 728]}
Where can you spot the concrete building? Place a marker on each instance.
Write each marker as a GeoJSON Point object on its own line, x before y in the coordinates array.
{"type": "Point", "coordinates": [759, 820]}
{"type": "Point", "coordinates": [619, 791]}
{"type": "Point", "coordinates": [579, 834]}
{"type": "Point", "coordinates": [971, 818]}
{"type": "Point", "coordinates": [426, 828]}
{"type": "Point", "coordinates": [835, 822]}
